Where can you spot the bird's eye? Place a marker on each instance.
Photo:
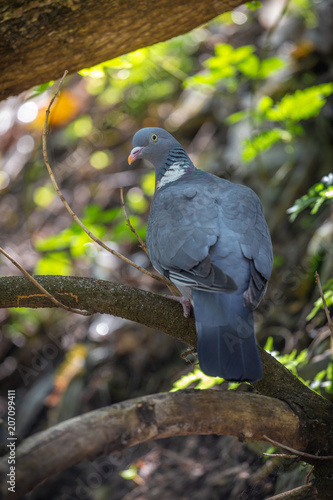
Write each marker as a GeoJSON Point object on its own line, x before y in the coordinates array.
{"type": "Point", "coordinates": [154, 137]}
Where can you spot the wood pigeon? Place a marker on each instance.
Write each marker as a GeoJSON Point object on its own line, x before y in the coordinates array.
{"type": "Point", "coordinates": [209, 237]}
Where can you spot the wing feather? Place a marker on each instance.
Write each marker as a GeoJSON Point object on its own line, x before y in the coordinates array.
{"type": "Point", "coordinates": [205, 232]}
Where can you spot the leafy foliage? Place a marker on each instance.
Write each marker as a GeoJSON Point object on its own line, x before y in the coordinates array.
{"type": "Point", "coordinates": [229, 64]}
{"type": "Point", "coordinates": [316, 196]}
{"type": "Point", "coordinates": [74, 243]}
{"type": "Point", "coordinates": [318, 305]}
{"type": "Point", "coordinates": [147, 75]}
{"type": "Point", "coordinates": [196, 378]}
{"type": "Point", "coordinates": [293, 361]}
{"type": "Point", "coordinates": [234, 67]}
{"type": "Point", "coordinates": [288, 113]}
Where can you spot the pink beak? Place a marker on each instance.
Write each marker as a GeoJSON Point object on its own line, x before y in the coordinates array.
{"type": "Point", "coordinates": [135, 154]}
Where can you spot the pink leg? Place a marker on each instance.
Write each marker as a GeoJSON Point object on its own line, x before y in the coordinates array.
{"type": "Point", "coordinates": [184, 302]}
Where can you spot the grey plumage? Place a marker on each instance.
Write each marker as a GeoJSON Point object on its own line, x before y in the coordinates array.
{"type": "Point", "coordinates": [210, 237]}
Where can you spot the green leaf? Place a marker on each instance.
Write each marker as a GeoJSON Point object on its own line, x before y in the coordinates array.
{"type": "Point", "coordinates": [39, 89]}
{"type": "Point", "coordinates": [185, 381]}
{"type": "Point", "coordinates": [301, 105]}
{"type": "Point", "coordinates": [269, 344]}
{"type": "Point", "coordinates": [316, 196]}
{"type": "Point", "coordinates": [237, 117]}
{"type": "Point", "coordinates": [264, 104]}
{"type": "Point", "coordinates": [262, 142]}
{"type": "Point", "coordinates": [270, 66]}
{"type": "Point", "coordinates": [94, 213]}
{"type": "Point", "coordinates": [250, 66]}
{"type": "Point", "coordinates": [302, 357]}
{"type": "Point", "coordinates": [318, 305]}
{"type": "Point", "coordinates": [197, 377]}
{"type": "Point", "coordinates": [254, 5]}
{"type": "Point", "coordinates": [242, 53]}
{"type": "Point", "coordinates": [129, 473]}
{"type": "Point", "coordinates": [253, 68]}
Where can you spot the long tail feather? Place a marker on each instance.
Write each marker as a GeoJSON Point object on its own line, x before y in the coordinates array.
{"type": "Point", "coordinates": [226, 341]}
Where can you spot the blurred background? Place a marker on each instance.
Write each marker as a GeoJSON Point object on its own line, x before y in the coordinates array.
{"type": "Point", "coordinates": [249, 96]}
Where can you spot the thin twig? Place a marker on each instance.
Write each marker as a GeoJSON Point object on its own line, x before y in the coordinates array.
{"type": "Point", "coordinates": [41, 288]}
{"type": "Point", "coordinates": [68, 208]}
{"type": "Point", "coordinates": [173, 289]}
{"type": "Point", "coordinates": [307, 479]}
{"type": "Point", "coordinates": [329, 319]}
{"type": "Point", "coordinates": [142, 243]}
{"type": "Point", "coordinates": [297, 452]}
{"type": "Point", "coordinates": [280, 455]}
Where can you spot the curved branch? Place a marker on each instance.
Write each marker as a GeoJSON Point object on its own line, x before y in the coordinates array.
{"type": "Point", "coordinates": [154, 311]}
{"type": "Point", "coordinates": [308, 491]}
{"type": "Point", "coordinates": [160, 313]}
{"type": "Point", "coordinates": [39, 286]}
{"type": "Point", "coordinates": [247, 416]}
{"type": "Point", "coordinates": [101, 296]}
{"type": "Point", "coordinates": [81, 34]}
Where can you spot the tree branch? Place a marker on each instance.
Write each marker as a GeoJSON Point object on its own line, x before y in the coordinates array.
{"type": "Point", "coordinates": [79, 34]}
{"type": "Point", "coordinates": [314, 412]}
{"type": "Point", "coordinates": [42, 289]}
{"type": "Point", "coordinates": [100, 296]}
{"type": "Point", "coordinates": [154, 311]}
{"type": "Point", "coordinates": [142, 244]}
{"type": "Point", "coordinates": [247, 416]}
{"type": "Point", "coordinates": [306, 492]}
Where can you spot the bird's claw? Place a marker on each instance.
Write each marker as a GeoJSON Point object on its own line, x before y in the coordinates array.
{"type": "Point", "coordinates": [186, 304]}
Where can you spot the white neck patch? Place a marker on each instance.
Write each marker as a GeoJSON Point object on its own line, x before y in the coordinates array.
{"type": "Point", "coordinates": [174, 172]}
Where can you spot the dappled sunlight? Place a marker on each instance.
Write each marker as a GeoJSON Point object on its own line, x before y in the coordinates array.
{"type": "Point", "coordinates": [249, 97]}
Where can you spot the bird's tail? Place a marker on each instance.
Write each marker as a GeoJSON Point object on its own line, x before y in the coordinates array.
{"type": "Point", "coordinates": [226, 341]}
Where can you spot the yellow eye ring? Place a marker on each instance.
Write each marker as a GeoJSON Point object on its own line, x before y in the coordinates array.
{"type": "Point", "coordinates": [154, 137]}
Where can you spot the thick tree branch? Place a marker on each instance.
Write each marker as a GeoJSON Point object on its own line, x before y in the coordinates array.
{"type": "Point", "coordinates": [40, 39]}
{"type": "Point", "coordinates": [151, 310]}
{"type": "Point", "coordinates": [314, 412]}
{"type": "Point", "coordinates": [39, 286]}
{"type": "Point", "coordinates": [247, 416]}
{"type": "Point", "coordinates": [101, 296]}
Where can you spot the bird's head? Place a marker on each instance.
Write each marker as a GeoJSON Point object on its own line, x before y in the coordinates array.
{"type": "Point", "coordinates": [152, 144]}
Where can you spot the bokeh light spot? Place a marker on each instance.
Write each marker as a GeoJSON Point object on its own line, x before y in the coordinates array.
{"type": "Point", "coordinates": [83, 126]}
{"type": "Point", "coordinates": [27, 112]}
{"type": "Point", "coordinates": [100, 159]}
{"type": "Point", "coordinates": [25, 144]}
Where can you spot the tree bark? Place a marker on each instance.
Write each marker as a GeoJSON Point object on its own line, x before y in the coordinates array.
{"type": "Point", "coordinates": [247, 416]}
{"type": "Point", "coordinates": [99, 296]}
{"type": "Point", "coordinates": [39, 39]}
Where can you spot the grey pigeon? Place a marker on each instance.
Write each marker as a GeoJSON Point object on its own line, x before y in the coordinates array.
{"type": "Point", "coordinates": [209, 237]}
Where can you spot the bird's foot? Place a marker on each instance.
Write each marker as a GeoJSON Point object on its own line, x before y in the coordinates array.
{"type": "Point", "coordinates": [186, 304]}
{"type": "Point", "coordinates": [188, 352]}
